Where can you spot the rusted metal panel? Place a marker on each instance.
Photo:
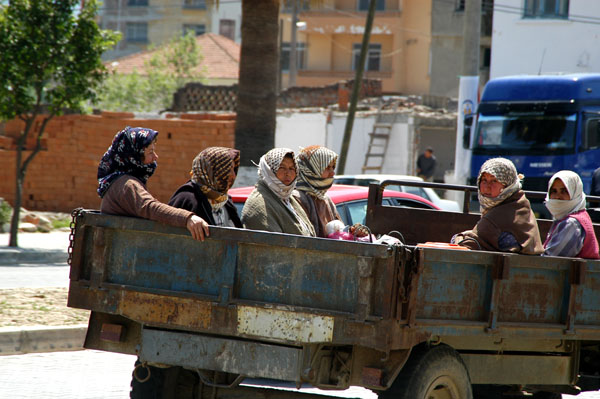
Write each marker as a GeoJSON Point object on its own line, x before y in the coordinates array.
{"type": "Point", "coordinates": [160, 309]}
{"type": "Point", "coordinates": [519, 369]}
{"type": "Point", "coordinates": [492, 287]}
{"type": "Point", "coordinates": [284, 325]}
{"type": "Point", "coordinates": [588, 296]}
{"type": "Point", "coordinates": [251, 359]}
{"type": "Point", "coordinates": [236, 264]}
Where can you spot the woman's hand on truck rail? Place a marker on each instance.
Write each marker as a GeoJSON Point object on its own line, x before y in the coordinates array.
{"type": "Point", "coordinates": [198, 227]}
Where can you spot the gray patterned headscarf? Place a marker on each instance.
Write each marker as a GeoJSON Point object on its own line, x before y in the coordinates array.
{"type": "Point", "coordinates": [506, 173]}
{"type": "Point", "coordinates": [267, 171]}
{"type": "Point", "coordinates": [312, 161]}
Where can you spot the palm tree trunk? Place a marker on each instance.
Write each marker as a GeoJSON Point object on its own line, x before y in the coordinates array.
{"type": "Point", "coordinates": [257, 91]}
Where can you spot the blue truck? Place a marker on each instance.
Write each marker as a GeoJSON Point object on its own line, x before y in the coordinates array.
{"type": "Point", "coordinates": [542, 123]}
{"type": "Point", "coordinates": [408, 321]}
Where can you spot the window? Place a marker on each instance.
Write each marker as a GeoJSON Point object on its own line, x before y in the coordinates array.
{"type": "Point", "coordinates": [227, 28]}
{"type": "Point", "coordinates": [198, 29]}
{"type": "Point", "coordinates": [546, 9]}
{"type": "Point", "coordinates": [285, 56]}
{"type": "Point", "coordinates": [591, 140]}
{"type": "Point", "coordinates": [373, 60]}
{"type": "Point", "coordinates": [460, 5]}
{"type": "Point", "coordinates": [363, 5]}
{"type": "Point", "coordinates": [137, 32]}
{"type": "Point", "coordinates": [137, 3]}
{"type": "Point", "coordinates": [201, 4]}
{"type": "Point", "coordinates": [303, 5]}
{"type": "Point", "coordinates": [525, 133]}
{"type": "Point", "coordinates": [486, 57]}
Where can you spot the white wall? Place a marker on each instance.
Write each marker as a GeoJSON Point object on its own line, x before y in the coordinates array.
{"type": "Point", "coordinates": [518, 45]}
{"type": "Point", "coordinates": [296, 130]}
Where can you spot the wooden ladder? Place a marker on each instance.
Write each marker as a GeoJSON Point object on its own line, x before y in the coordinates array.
{"type": "Point", "coordinates": [378, 141]}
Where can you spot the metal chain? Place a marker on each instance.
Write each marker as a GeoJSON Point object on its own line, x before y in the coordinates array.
{"type": "Point", "coordinates": [76, 212]}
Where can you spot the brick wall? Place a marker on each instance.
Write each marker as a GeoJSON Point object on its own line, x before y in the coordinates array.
{"type": "Point", "coordinates": [199, 97]}
{"type": "Point", "coordinates": [63, 176]}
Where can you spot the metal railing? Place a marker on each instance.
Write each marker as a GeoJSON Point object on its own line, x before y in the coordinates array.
{"type": "Point", "coordinates": [468, 190]}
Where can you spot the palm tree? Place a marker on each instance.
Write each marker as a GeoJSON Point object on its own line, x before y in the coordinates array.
{"type": "Point", "coordinates": [257, 92]}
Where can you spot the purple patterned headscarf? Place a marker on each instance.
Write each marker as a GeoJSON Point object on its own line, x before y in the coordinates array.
{"type": "Point", "coordinates": [125, 157]}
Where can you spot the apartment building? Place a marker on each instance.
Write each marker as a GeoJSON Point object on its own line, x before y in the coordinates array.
{"type": "Point", "coordinates": [146, 22]}
{"type": "Point", "coordinates": [415, 47]}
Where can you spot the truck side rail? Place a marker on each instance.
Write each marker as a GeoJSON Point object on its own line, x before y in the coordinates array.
{"type": "Point", "coordinates": [157, 275]}
{"type": "Point", "coordinates": [382, 219]}
{"type": "Point", "coordinates": [478, 293]}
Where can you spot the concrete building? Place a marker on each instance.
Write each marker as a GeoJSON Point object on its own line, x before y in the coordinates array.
{"type": "Point", "coordinates": [544, 37]}
{"type": "Point", "coordinates": [226, 20]}
{"type": "Point", "coordinates": [151, 22]}
{"type": "Point", "coordinates": [415, 47]}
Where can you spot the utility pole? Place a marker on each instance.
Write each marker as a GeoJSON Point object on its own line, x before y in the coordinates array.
{"type": "Point", "coordinates": [293, 54]}
{"type": "Point", "coordinates": [471, 35]}
{"type": "Point", "coordinates": [356, 88]}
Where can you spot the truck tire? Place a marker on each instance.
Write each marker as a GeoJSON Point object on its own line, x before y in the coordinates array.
{"type": "Point", "coordinates": [432, 372]}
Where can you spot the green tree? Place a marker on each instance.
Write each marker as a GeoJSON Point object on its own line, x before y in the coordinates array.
{"type": "Point", "coordinates": [50, 61]}
{"type": "Point", "coordinates": [169, 68]}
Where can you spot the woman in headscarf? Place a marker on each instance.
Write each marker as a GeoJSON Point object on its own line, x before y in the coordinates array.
{"type": "Point", "coordinates": [122, 176]}
{"type": "Point", "coordinates": [213, 173]}
{"type": "Point", "coordinates": [507, 223]}
{"type": "Point", "coordinates": [316, 168]}
{"type": "Point", "coordinates": [271, 206]}
{"type": "Point", "coordinates": [572, 232]}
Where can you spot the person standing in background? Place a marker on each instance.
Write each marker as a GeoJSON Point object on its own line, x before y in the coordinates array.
{"type": "Point", "coordinates": [426, 164]}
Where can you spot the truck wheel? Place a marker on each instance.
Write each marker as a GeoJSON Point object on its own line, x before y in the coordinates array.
{"type": "Point", "coordinates": [432, 373]}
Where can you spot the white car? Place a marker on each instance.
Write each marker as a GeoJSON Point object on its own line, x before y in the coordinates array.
{"type": "Point", "coordinates": [425, 192]}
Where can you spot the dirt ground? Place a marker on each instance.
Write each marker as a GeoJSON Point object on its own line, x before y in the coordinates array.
{"type": "Point", "coordinates": [38, 306]}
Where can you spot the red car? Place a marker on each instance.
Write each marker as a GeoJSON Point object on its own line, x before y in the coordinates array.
{"type": "Point", "coordinates": [351, 201]}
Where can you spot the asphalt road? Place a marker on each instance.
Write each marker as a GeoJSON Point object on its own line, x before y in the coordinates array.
{"type": "Point", "coordinates": [34, 276]}
{"type": "Point", "coordinates": [85, 374]}
{"type": "Point", "coordinates": [89, 374]}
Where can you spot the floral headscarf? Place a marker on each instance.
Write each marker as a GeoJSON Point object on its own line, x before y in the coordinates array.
{"type": "Point", "coordinates": [506, 173]}
{"type": "Point", "coordinates": [561, 208]}
{"type": "Point", "coordinates": [267, 171]}
{"type": "Point", "coordinates": [312, 161]}
{"type": "Point", "coordinates": [211, 169]}
{"type": "Point", "coordinates": [125, 157]}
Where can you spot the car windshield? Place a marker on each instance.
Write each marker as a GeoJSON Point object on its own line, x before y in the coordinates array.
{"type": "Point", "coordinates": [525, 134]}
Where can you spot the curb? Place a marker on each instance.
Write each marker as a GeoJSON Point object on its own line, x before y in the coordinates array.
{"type": "Point", "coordinates": [16, 256]}
{"type": "Point", "coordinates": [35, 339]}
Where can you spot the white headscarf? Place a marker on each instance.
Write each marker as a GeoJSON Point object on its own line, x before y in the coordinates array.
{"type": "Point", "coordinates": [267, 171]}
{"type": "Point", "coordinates": [562, 208]}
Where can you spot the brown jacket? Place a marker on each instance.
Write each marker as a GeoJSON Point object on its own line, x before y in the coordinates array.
{"type": "Point", "coordinates": [320, 212]}
{"type": "Point", "coordinates": [127, 196]}
{"type": "Point", "coordinates": [514, 216]}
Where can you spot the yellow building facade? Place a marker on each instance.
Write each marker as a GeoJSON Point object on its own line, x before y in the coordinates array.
{"type": "Point", "coordinates": [329, 37]}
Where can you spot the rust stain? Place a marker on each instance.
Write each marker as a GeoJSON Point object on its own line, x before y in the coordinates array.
{"type": "Point", "coordinates": [153, 308]}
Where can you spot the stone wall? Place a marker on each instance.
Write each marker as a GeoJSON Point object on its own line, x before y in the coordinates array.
{"type": "Point", "coordinates": [63, 176]}
{"type": "Point", "coordinates": [199, 97]}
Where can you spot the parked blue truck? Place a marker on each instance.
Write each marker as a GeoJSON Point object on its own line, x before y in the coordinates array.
{"type": "Point", "coordinates": [542, 123]}
{"type": "Point", "coordinates": [407, 321]}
